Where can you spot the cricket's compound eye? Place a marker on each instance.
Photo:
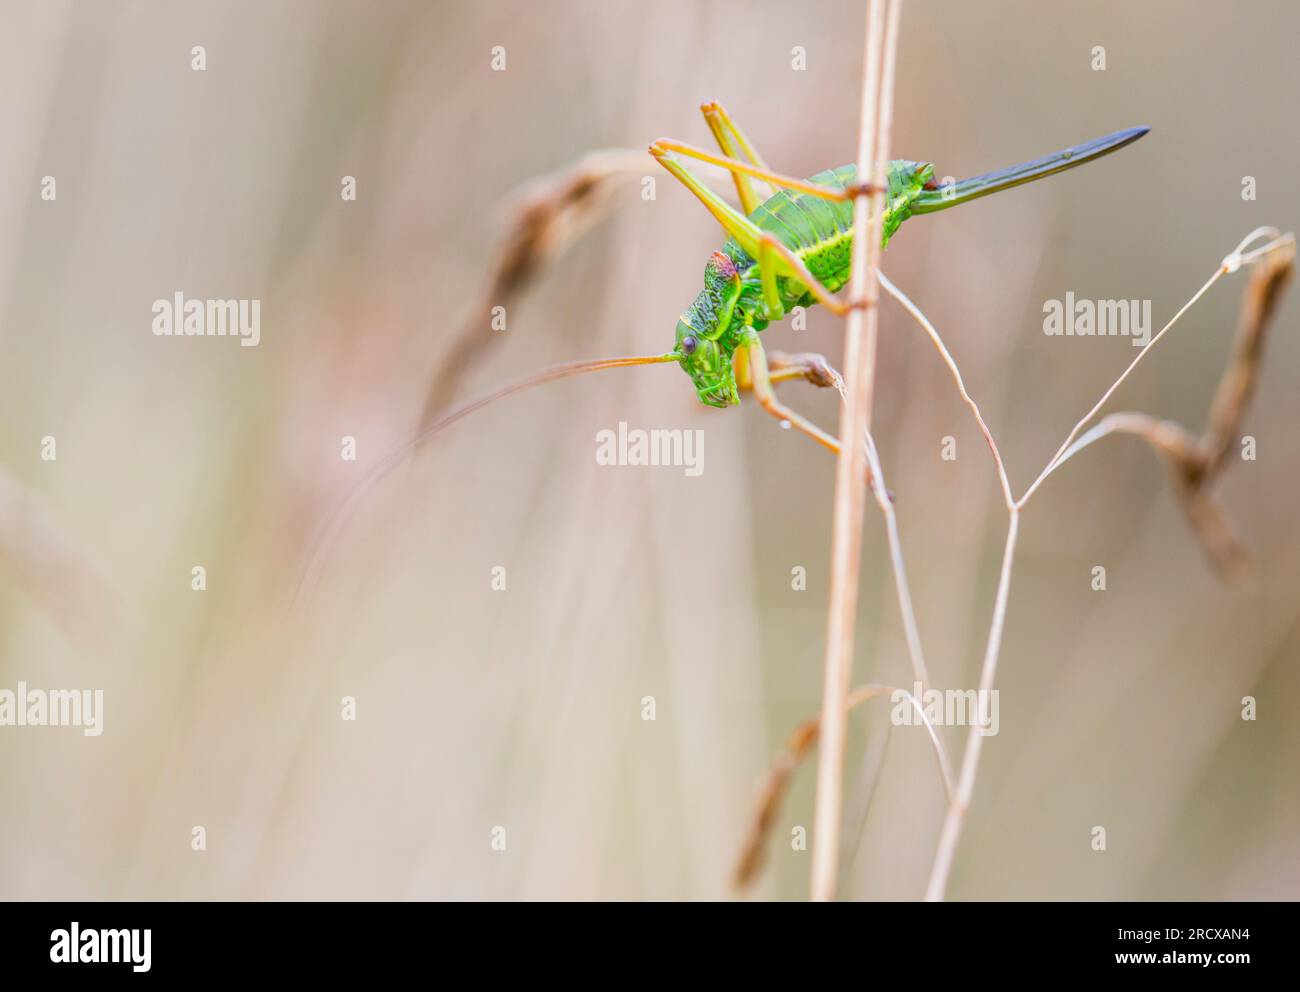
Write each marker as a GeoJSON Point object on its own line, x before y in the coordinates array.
{"type": "Point", "coordinates": [688, 345]}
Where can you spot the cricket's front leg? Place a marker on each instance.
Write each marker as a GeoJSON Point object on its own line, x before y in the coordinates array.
{"type": "Point", "coordinates": [758, 371]}
{"type": "Point", "coordinates": [753, 372]}
{"type": "Point", "coordinates": [806, 365]}
{"type": "Point", "coordinates": [781, 367]}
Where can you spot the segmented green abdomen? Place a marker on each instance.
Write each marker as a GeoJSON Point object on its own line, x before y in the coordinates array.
{"type": "Point", "coordinates": [820, 231]}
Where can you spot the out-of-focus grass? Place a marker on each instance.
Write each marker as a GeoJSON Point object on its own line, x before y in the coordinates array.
{"type": "Point", "coordinates": [522, 708]}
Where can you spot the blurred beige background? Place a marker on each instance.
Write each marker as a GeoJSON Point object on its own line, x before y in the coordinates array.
{"type": "Point", "coordinates": [522, 708]}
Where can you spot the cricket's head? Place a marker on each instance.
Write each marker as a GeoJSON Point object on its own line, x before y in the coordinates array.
{"type": "Point", "coordinates": [704, 343]}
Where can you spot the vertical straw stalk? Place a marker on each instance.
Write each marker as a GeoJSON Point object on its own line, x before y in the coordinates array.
{"type": "Point", "coordinates": [855, 420]}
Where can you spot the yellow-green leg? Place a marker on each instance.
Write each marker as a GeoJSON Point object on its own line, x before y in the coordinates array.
{"type": "Point", "coordinates": [760, 378]}
{"type": "Point", "coordinates": [731, 139]}
{"type": "Point", "coordinates": [808, 366]}
{"type": "Point", "coordinates": [775, 259]}
{"type": "Point", "coordinates": [773, 309]}
{"type": "Point", "coordinates": [664, 146]}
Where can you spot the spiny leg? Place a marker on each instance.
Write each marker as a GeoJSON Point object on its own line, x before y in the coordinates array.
{"type": "Point", "coordinates": [715, 114]}
{"type": "Point", "coordinates": [731, 139]}
{"type": "Point", "coordinates": [663, 147]}
{"type": "Point", "coordinates": [773, 256]}
{"type": "Point", "coordinates": [740, 227]}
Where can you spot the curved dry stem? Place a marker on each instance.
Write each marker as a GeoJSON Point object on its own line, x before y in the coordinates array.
{"type": "Point", "coordinates": [1195, 461]}
{"type": "Point", "coordinates": [1234, 260]}
{"type": "Point", "coordinates": [1169, 439]}
{"type": "Point", "coordinates": [902, 589]}
{"type": "Point", "coordinates": [1268, 279]}
{"type": "Point", "coordinates": [1184, 454]}
{"type": "Point", "coordinates": [953, 820]}
{"type": "Point", "coordinates": [946, 355]}
{"type": "Point", "coordinates": [799, 744]}
{"type": "Point", "coordinates": [547, 215]}
{"type": "Point", "coordinates": [1165, 436]}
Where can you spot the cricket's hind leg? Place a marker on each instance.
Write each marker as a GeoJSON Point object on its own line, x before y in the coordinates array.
{"type": "Point", "coordinates": [731, 139]}
{"type": "Point", "coordinates": [775, 259]}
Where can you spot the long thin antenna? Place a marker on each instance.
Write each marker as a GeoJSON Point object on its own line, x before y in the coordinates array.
{"type": "Point", "coordinates": [338, 516]}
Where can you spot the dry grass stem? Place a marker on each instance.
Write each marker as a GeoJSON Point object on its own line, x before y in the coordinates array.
{"type": "Point", "coordinates": [1172, 441]}
{"type": "Point", "coordinates": [851, 466]}
{"type": "Point", "coordinates": [1235, 259]}
{"type": "Point", "coordinates": [1196, 462]}
{"type": "Point", "coordinates": [797, 748]}
{"type": "Point", "coordinates": [1270, 275]}
{"type": "Point", "coordinates": [547, 216]}
{"type": "Point", "coordinates": [937, 341]}
{"type": "Point", "coordinates": [902, 589]}
{"type": "Point", "coordinates": [950, 833]}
